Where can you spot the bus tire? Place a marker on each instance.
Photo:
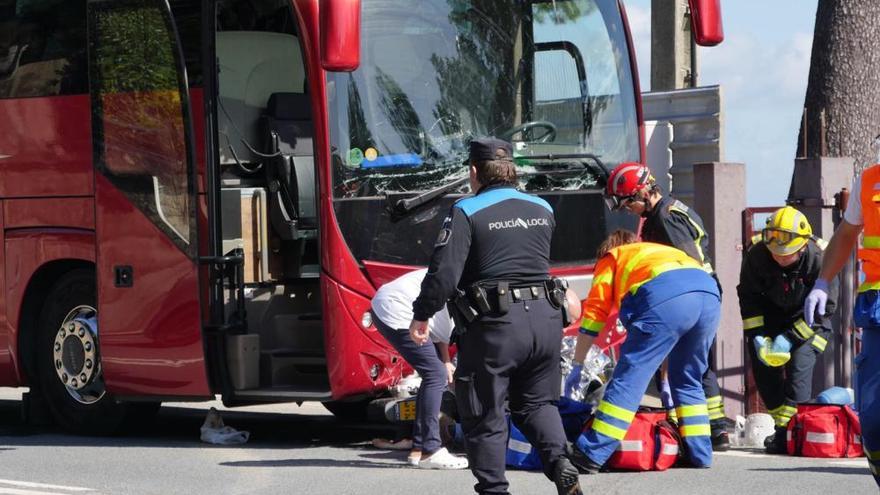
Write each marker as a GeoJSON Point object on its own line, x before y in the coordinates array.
{"type": "Point", "coordinates": [67, 347]}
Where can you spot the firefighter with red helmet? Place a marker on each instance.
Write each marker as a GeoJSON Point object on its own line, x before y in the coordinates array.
{"type": "Point", "coordinates": [632, 188]}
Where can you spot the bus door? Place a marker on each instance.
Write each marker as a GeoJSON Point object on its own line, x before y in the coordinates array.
{"type": "Point", "coordinates": [148, 286]}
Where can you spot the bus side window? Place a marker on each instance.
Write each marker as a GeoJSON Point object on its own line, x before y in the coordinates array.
{"type": "Point", "coordinates": [42, 48]}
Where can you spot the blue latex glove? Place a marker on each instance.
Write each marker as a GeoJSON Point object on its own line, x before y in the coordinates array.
{"type": "Point", "coordinates": [760, 341]}
{"type": "Point", "coordinates": [573, 380]}
{"type": "Point", "coordinates": [781, 344]}
{"type": "Point", "coordinates": [666, 395]}
{"type": "Point", "coordinates": [816, 300]}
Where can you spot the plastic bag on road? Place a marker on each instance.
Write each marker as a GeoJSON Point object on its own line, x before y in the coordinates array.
{"type": "Point", "coordinates": [214, 431]}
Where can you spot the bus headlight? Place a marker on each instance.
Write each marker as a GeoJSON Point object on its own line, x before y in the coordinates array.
{"type": "Point", "coordinates": [367, 319]}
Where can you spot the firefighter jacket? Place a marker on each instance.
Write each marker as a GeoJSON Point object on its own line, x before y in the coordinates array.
{"type": "Point", "coordinates": [869, 254]}
{"type": "Point", "coordinates": [771, 297]}
{"type": "Point", "coordinates": [672, 223]}
{"type": "Point", "coordinates": [637, 277]}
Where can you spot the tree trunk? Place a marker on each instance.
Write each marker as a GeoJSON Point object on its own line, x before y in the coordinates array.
{"type": "Point", "coordinates": [842, 103]}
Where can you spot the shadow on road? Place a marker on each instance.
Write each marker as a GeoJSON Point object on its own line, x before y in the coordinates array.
{"type": "Point", "coordinates": [820, 469]}
{"type": "Point", "coordinates": [335, 463]}
{"type": "Point", "coordinates": [179, 427]}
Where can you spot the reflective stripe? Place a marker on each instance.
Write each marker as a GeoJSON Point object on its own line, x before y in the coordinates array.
{"type": "Point", "coordinates": [803, 329]}
{"type": "Point", "coordinates": [782, 414]}
{"type": "Point", "coordinates": [715, 405]}
{"type": "Point", "coordinates": [695, 430]}
{"type": "Point", "coordinates": [698, 240]}
{"type": "Point", "coordinates": [819, 343]}
{"type": "Point", "coordinates": [604, 278]}
{"type": "Point", "coordinates": [716, 413]}
{"type": "Point", "coordinates": [873, 455]}
{"type": "Point", "coordinates": [616, 412]}
{"type": "Point", "coordinates": [690, 411]}
{"type": "Point", "coordinates": [871, 242]}
{"type": "Point", "coordinates": [630, 446]}
{"type": "Point", "coordinates": [869, 286]}
{"type": "Point", "coordinates": [592, 327]}
{"type": "Point", "coordinates": [670, 449]}
{"type": "Point", "coordinates": [819, 437]}
{"type": "Point", "coordinates": [782, 421]}
{"type": "Point", "coordinates": [608, 430]}
{"type": "Point", "coordinates": [753, 322]}
{"type": "Point", "coordinates": [633, 263]}
{"type": "Point", "coordinates": [519, 446]}
{"type": "Point", "coordinates": [671, 416]}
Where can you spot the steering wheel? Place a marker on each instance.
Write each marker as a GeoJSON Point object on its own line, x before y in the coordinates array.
{"type": "Point", "coordinates": [549, 135]}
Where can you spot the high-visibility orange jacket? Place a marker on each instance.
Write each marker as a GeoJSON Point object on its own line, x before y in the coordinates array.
{"type": "Point", "coordinates": [870, 251]}
{"type": "Point", "coordinates": [636, 277]}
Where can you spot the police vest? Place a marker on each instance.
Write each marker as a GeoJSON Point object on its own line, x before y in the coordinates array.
{"type": "Point", "coordinates": [869, 254]}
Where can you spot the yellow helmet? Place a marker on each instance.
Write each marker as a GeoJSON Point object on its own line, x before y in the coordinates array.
{"type": "Point", "coordinates": [786, 232]}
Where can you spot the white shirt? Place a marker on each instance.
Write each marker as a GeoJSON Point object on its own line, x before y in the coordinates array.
{"type": "Point", "coordinates": [392, 304]}
{"type": "Point", "coordinates": [853, 213]}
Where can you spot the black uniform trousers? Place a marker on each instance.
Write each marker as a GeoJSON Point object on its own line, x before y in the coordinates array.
{"type": "Point", "coordinates": [785, 385]}
{"type": "Point", "coordinates": [511, 357]}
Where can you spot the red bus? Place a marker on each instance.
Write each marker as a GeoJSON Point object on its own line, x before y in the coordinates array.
{"type": "Point", "coordinates": [200, 197]}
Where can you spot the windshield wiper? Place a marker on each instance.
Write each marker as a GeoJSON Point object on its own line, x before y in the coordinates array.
{"type": "Point", "coordinates": [404, 206]}
{"type": "Point", "coordinates": [598, 164]}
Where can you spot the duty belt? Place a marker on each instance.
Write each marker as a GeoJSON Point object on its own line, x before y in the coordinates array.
{"type": "Point", "coordinates": [517, 294]}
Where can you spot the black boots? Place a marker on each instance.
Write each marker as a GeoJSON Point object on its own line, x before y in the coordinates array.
{"type": "Point", "coordinates": [584, 464]}
{"type": "Point", "coordinates": [565, 475]}
{"type": "Point", "coordinates": [776, 443]}
{"type": "Point", "coordinates": [720, 439]}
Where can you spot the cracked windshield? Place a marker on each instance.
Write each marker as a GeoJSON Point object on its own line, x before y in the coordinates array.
{"type": "Point", "coordinates": [552, 77]}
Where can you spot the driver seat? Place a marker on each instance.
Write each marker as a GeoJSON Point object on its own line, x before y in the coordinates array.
{"type": "Point", "coordinates": [291, 175]}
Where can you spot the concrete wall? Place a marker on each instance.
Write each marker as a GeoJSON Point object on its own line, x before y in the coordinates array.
{"type": "Point", "coordinates": [719, 198]}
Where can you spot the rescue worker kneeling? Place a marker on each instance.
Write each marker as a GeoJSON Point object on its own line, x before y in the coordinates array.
{"type": "Point", "coordinates": [777, 273]}
{"type": "Point", "coordinates": [670, 307]}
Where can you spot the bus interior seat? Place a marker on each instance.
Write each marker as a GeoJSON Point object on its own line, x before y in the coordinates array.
{"type": "Point", "coordinates": [253, 65]}
{"type": "Point", "coordinates": [289, 131]}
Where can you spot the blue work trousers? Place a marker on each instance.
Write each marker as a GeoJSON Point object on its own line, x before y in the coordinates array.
{"type": "Point", "coordinates": [867, 378]}
{"type": "Point", "coordinates": [682, 328]}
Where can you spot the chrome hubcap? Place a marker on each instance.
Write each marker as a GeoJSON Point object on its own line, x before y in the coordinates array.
{"type": "Point", "coordinates": [75, 353]}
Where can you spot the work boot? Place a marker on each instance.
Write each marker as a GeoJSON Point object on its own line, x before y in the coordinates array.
{"type": "Point", "coordinates": [720, 439]}
{"type": "Point", "coordinates": [565, 475]}
{"type": "Point", "coordinates": [584, 464]}
{"type": "Point", "coordinates": [776, 443]}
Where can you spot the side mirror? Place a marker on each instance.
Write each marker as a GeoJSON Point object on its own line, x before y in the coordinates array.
{"type": "Point", "coordinates": [706, 22]}
{"type": "Point", "coordinates": [340, 34]}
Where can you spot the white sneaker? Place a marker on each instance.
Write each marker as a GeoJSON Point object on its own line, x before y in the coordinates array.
{"type": "Point", "coordinates": [442, 459]}
{"type": "Point", "coordinates": [413, 459]}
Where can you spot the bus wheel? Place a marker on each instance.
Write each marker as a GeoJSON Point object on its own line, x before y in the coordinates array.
{"type": "Point", "coordinates": [69, 359]}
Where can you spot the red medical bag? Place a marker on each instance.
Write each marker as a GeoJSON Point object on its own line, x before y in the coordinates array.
{"type": "Point", "coordinates": [651, 444]}
{"type": "Point", "coordinates": [824, 430]}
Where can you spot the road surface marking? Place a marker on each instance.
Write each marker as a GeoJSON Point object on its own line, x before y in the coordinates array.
{"type": "Point", "coordinates": [31, 484]}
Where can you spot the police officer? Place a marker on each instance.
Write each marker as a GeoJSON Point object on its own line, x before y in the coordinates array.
{"type": "Point", "coordinates": [668, 221]}
{"type": "Point", "coordinates": [495, 247]}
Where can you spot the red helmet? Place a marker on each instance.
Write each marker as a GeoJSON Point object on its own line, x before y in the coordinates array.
{"type": "Point", "coordinates": [625, 181]}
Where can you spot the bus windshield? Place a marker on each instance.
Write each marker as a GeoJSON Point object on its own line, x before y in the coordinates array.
{"type": "Point", "coordinates": [553, 77]}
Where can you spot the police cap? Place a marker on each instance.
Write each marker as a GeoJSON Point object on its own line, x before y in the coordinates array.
{"type": "Point", "coordinates": [484, 149]}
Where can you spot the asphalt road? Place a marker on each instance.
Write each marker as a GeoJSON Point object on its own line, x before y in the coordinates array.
{"type": "Point", "coordinates": [304, 450]}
